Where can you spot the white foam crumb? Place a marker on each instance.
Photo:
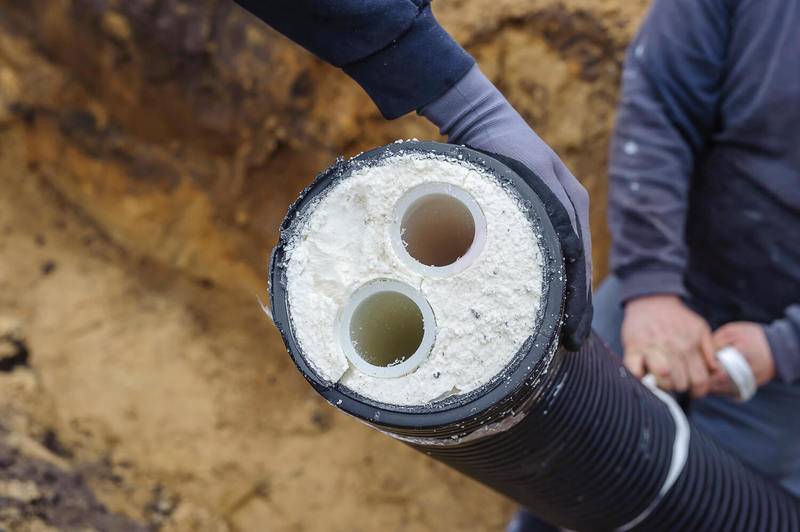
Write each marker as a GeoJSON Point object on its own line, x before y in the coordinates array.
{"type": "Point", "coordinates": [483, 314]}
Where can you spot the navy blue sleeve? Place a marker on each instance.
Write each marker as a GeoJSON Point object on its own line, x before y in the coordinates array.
{"type": "Point", "coordinates": [670, 95]}
{"type": "Point", "coordinates": [394, 49]}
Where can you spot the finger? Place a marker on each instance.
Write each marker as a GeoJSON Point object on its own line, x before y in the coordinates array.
{"type": "Point", "coordinates": [722, 337]}
{"type": "Point", "coordinates": [708, 351]}
{"type": "Point", "coordinates": [657, 363]}
{"type": "Point", "coordinates": [698, 377]}
{"type": "Point", "coordinates": [680, 373]}
{"type": "Point", "coordinates": [634, 361]}
{"type": "Point", "coordinates": [720, 384]}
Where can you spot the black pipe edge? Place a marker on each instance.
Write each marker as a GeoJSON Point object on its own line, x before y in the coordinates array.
{"type": "Point", "coordinates": [571, 435]}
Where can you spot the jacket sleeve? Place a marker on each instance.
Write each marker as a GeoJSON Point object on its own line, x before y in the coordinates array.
{"type": "Point", "coordinates": [394, 49]}
{"type": "Point", "coordinates": [783, 336]}
{"type": "Point", "coordinates": [671, 78]}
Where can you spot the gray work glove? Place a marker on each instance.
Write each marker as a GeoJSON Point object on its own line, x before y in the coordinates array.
{"type": "Point", "coordinates": [474, 113]}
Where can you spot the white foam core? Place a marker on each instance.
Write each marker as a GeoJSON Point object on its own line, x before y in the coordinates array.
{"type": "Point", "coordinates": [484, 310]}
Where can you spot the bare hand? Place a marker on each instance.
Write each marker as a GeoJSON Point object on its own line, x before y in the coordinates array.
{"type": "Point", "coordinates": [749, 338]}
{"type": "Point", "coordinates": [662, 336]}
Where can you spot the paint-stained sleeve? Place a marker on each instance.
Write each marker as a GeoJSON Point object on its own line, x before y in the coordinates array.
{"type": "Point", "coordinates": [394, 49]}
{"type": "Point", "coordinates": [670, 91]}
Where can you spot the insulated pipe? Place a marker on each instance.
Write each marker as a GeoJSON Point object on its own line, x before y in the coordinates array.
{"type": "Point", "coordinates": [571, 435]}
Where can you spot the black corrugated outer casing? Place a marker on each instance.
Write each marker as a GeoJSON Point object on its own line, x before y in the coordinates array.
{"type": "Point", "coordinates": [716, 491]}
{"type": "Point", "coordinates": [585, 445]}
{"type": "Point", "coordinates": [589, 454]}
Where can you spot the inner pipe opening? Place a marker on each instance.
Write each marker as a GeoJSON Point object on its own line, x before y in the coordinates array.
{"type": "Point", "coordinates": [387, 329]}
{"type": "Point", "coordinates": [439, 229]}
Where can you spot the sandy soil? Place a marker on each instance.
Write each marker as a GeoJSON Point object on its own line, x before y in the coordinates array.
{"type": "Point", "coordinates": [174, 402]}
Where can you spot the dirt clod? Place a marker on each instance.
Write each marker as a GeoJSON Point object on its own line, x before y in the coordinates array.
{"type": "Point", "coordinates": [37, 490]}
{"type": "Point", "coordinates": [13, 349]}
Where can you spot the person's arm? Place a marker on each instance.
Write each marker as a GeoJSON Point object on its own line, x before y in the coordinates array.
{"type": "Point", "coordinates": [400, 55]}
{"type": "Point", "coordinates": [671, 82]}
{"type": "Point", "coordinates": [670, 92]}
{"type": "Point", "coordinates": [394, 49]}
{"type": "Point", "coordinates": [783, 336]}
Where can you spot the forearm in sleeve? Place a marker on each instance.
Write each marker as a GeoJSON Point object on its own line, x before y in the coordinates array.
{"type": "Point", "coordinates": [394, 49]}
{"type": "Point", "coordinates": [668, 105]}
{"type": "Point", "coordinates": [784, 342]}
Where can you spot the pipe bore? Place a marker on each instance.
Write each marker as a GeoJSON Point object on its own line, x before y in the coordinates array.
{"type": "Point", "coordinates": [387, 329]}
{"type": "Point", "coordinates": [439, 229]}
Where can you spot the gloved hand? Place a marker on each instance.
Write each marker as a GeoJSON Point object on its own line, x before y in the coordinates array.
{"type": "Point", "coordinates": [476, 114]}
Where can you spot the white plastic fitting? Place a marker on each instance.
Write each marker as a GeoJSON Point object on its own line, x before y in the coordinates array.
{"type": "Point", "coordinates": [737, 368]}
{"type": "Point", "coordinates": [387, 329]}
{"type": "Point", "coordinates": [438, 229]}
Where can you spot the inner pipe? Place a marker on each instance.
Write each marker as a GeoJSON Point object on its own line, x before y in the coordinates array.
{"type": "Point", "coordinates": [571, 435]}
{"type": "Point", "coordinates": [387, 329]}
{"type": "Point", "coordinates": [438, 229]}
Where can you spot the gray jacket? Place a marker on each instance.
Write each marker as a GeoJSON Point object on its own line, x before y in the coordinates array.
{"type": "Point", "coordinates": [705, 165]}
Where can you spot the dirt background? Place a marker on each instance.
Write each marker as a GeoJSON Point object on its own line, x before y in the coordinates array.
{"type": "Point", "coordinates": [148, 151]}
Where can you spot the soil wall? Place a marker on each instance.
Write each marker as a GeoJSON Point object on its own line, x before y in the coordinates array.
{"type": "Point", "coordinates": [148, 151]}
